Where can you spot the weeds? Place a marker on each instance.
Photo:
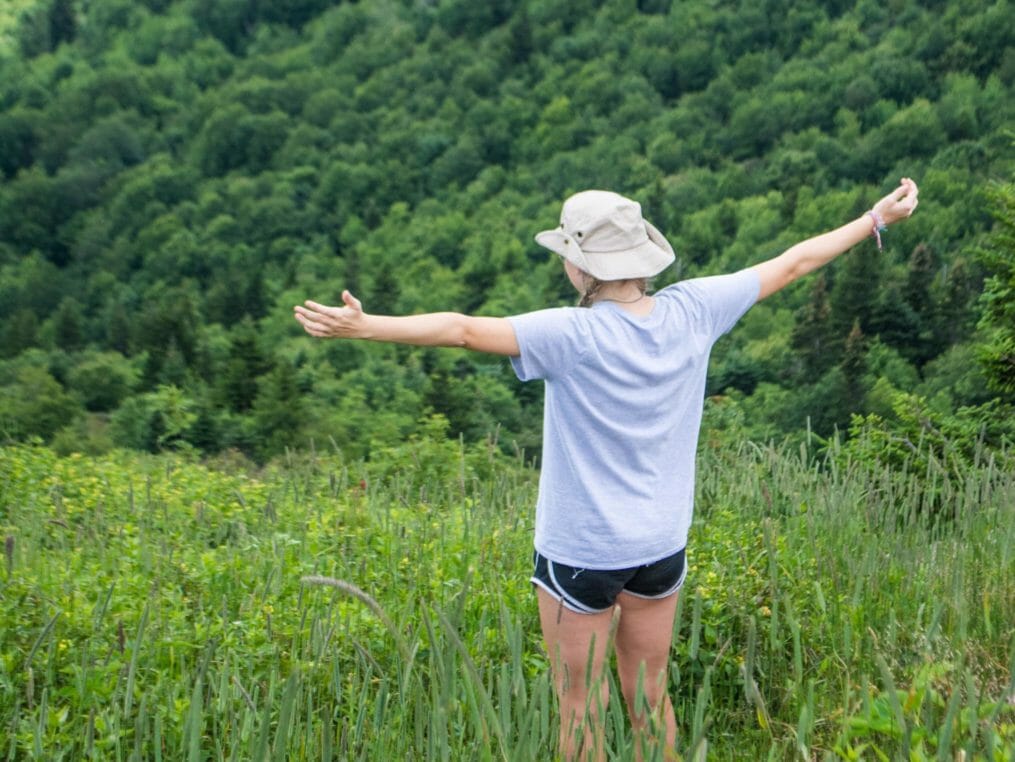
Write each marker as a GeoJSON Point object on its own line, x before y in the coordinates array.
{"type": "Point", "coordinates": [155, 608]}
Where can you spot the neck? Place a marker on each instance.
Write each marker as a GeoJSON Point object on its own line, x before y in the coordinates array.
{"type": "Point", "coordinates": [623, 295]}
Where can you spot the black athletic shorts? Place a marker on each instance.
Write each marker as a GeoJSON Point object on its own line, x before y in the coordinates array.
{"type": "Point", "coordinates": [592, 591]}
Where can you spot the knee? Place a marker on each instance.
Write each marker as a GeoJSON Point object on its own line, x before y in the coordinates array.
{"type": "Point", "coordinates": [579, 697]}
{"type": "Point", "coordinates": [641, 699]}
{"type": "Point", "coordinates": [644, 691]}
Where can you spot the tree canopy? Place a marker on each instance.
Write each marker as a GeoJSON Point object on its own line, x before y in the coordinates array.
{"type": "Point", "coordinates": [177, 174]}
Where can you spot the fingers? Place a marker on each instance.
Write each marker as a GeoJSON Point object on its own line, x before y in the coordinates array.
{"type": "Point", "coordinates": [310, 325]}
{"type": "Point", "coordinates": [900, 202]}
{"type": "Point", "coordinates": [309, 315]}
{"type": "Point", "coordinates": [323, 321]}
{"type": "Point", "coordinates": [320, 309]}
{"type": "Point", "coordinates": [900, 192]}
{"type": "Point", "coordinates": [909, 197]}
{"type": "Point", "coordinates": [351, 301]}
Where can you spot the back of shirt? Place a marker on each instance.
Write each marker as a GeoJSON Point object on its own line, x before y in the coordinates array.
{"type": "Point", "coordinates": [623, 406]}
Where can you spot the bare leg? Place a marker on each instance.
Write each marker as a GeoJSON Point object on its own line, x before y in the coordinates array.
{"type": "Point", "coordinates": [643, 642]}
{"type": "Point", "coordinates": [582, 691]}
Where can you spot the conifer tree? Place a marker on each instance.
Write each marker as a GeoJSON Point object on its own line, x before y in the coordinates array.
{"type": "Point", "coordinates": [68, 328]}
{"type": "Point", "coordinates": [18, 332]}
{"type": "Point", "coordinates": [813, 336]}
{"type": "Point", "coordinates": [895, 322]}
{"type": "Point", "coordinates": [856, 288]}
{"type": "Point", "coordinates": [279, 413]}
{"type": "Point", "coordinates": [997, 304]}
{"type": "Point", "coordinates": [854, 365]}
{"type": "Point", "coordinates": [953, 317]}
{"type": "Point", "coordinates": [237, 382]}
{"type": "Point", "coordinates": [920, 271]}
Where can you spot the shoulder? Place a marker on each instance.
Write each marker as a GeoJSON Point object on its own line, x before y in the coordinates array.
{"type": "Point", "coordinates": [707, 287]}
{"type": "Point", "coordinates": [681, 293]}
{"type": "Point", "coordinates": [719, 301]}
{"type": "Point", "coordinates": [552, 318]}
{"type": "Point", "coordinates": [549, 341]}
{"type": "Point", "coordinates": [555, 324]}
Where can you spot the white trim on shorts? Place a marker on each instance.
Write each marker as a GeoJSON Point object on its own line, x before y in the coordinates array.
{"type": "Point", "coordinates": [561, 595]}
{"type": "Point", "coordinates": [668, 593]}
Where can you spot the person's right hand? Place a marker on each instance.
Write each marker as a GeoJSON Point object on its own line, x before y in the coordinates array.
{"type": "Point", "coordinates": [326, 322]}
{"type": "Point", "coordinates": [898, 204]}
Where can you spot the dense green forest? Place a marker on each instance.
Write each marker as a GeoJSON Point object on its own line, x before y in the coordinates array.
{"type": "Point", "coordinates": [178, 173]}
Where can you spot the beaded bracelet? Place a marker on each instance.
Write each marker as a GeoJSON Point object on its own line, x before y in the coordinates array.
{"type": "Point", "coordinates": [879, 225]}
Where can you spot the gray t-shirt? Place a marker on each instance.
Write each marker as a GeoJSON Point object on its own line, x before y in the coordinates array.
{"type": "Point", "coordinates": [623, 406]}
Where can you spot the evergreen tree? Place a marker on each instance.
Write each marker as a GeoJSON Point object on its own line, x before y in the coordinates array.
{"type": "Point", "coordinates": [997, 304]}
{"type": "Point", "coordinates": [236, 383]}
{"type": "Point", "coordinates": [18, 332]}
{"type": "Point", "coordinates": [953, 317]}
{"type": "Point", "coordinates": [17, 142]}
{"type": "Point", "coordinates": [813, 335]}
{"type": "Point", "coordinates": [170, 367]}
{"type": "Point", "coordinates": [68, 325]}
{"type": "Point", "coordinates": [63, 24]}
{"type": "Point", "coordinates": [853, 366]}
{"type": "Point", "coordinates": [920, 272]}
{"type": "Point", "coordinates": [855, 292]}
{"type": "Point", "coordinates": [118, 327]}
{"type": "Point", "coordinates": [895, 322]}
{"type": "Point", "coordinates": [279, 412]}
{"type": "Point", "coordinates": [521, 37]}
{"type": "Point", "coordinates": [205, 433]}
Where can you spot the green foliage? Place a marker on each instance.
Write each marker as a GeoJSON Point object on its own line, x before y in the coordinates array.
{"type": "Point", "coordinates": [102, 380]}
{"type": "Point", "coordinates": [34, 404]}
{"type": "Point", "coordinates": [915, 438]}
{"type": "Point", "coordinates": [178, 173]}
{"type": "Point", "coordinates": [149, 599]}
{"type": "Point", "coordinates": [997, 317]}
{"type": "Point", "coordinates": [154, 421]}
{"type": "Point", "coordinates": [926, 720]}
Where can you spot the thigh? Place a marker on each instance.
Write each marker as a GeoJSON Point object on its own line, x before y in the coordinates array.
{"type": "Point", "coordinates": [574, 642]}
{"type": "Point", "coordinates": [644, 635]}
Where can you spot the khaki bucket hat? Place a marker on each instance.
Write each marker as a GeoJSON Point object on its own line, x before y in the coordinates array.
{"type": "Point", "coordinates": [604, 234]}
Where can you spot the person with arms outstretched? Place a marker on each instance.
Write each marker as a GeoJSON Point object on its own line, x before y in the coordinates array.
{"type": "Point", "coordinates": [625, 384]}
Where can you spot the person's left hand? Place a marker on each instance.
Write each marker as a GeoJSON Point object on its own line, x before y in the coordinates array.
{"type": "Point", "coordinates": [325, 322]}
{"type": "Point", "coordinates": [899, 204]}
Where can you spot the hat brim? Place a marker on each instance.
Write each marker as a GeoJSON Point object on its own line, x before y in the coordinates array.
{"type": "Point", "coordinates": [642, 261]}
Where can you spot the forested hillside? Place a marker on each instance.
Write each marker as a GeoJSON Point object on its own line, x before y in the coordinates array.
{"type": "Point", "coordinates": [177, 174]}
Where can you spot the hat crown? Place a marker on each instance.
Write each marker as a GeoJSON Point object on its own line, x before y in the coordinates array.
{"type": "Point", "coordinates": [604, 234]}
{"type": "Point", "coordinates": [603, 221]}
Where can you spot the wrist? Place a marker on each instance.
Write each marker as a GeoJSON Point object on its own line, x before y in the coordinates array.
{"type": "Point", "coordinates": [878, 224]}
{"type": "Point", "coordinates": [363, 329]}
{"type": "Point", "coordinates": [886, 214]}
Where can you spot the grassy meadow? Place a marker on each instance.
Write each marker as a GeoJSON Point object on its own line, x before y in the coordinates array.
{"type": "Point", "coordinates": [158, 608]}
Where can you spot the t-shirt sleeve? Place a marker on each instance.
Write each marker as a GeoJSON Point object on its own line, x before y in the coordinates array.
{"type": "Point", "coordinates": [723, 299]}
{"type": "Point", "coordinates": [549, 342]}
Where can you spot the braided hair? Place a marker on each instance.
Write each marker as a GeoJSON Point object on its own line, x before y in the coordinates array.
{"type": "Point", "coordinates": [593, 286]}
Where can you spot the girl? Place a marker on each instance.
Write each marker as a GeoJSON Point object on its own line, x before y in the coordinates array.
{"type": "Point", "coordinates": [625, 383]}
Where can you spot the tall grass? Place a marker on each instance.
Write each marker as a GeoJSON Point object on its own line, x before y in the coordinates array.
{"type": "Point", "coordinates": [155, 608]}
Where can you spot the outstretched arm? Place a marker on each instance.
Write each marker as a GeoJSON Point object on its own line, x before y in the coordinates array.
{"type": "Point", "coordinates": [435, 329]}
{"type": "Point", "coordinates": [809, 255]}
